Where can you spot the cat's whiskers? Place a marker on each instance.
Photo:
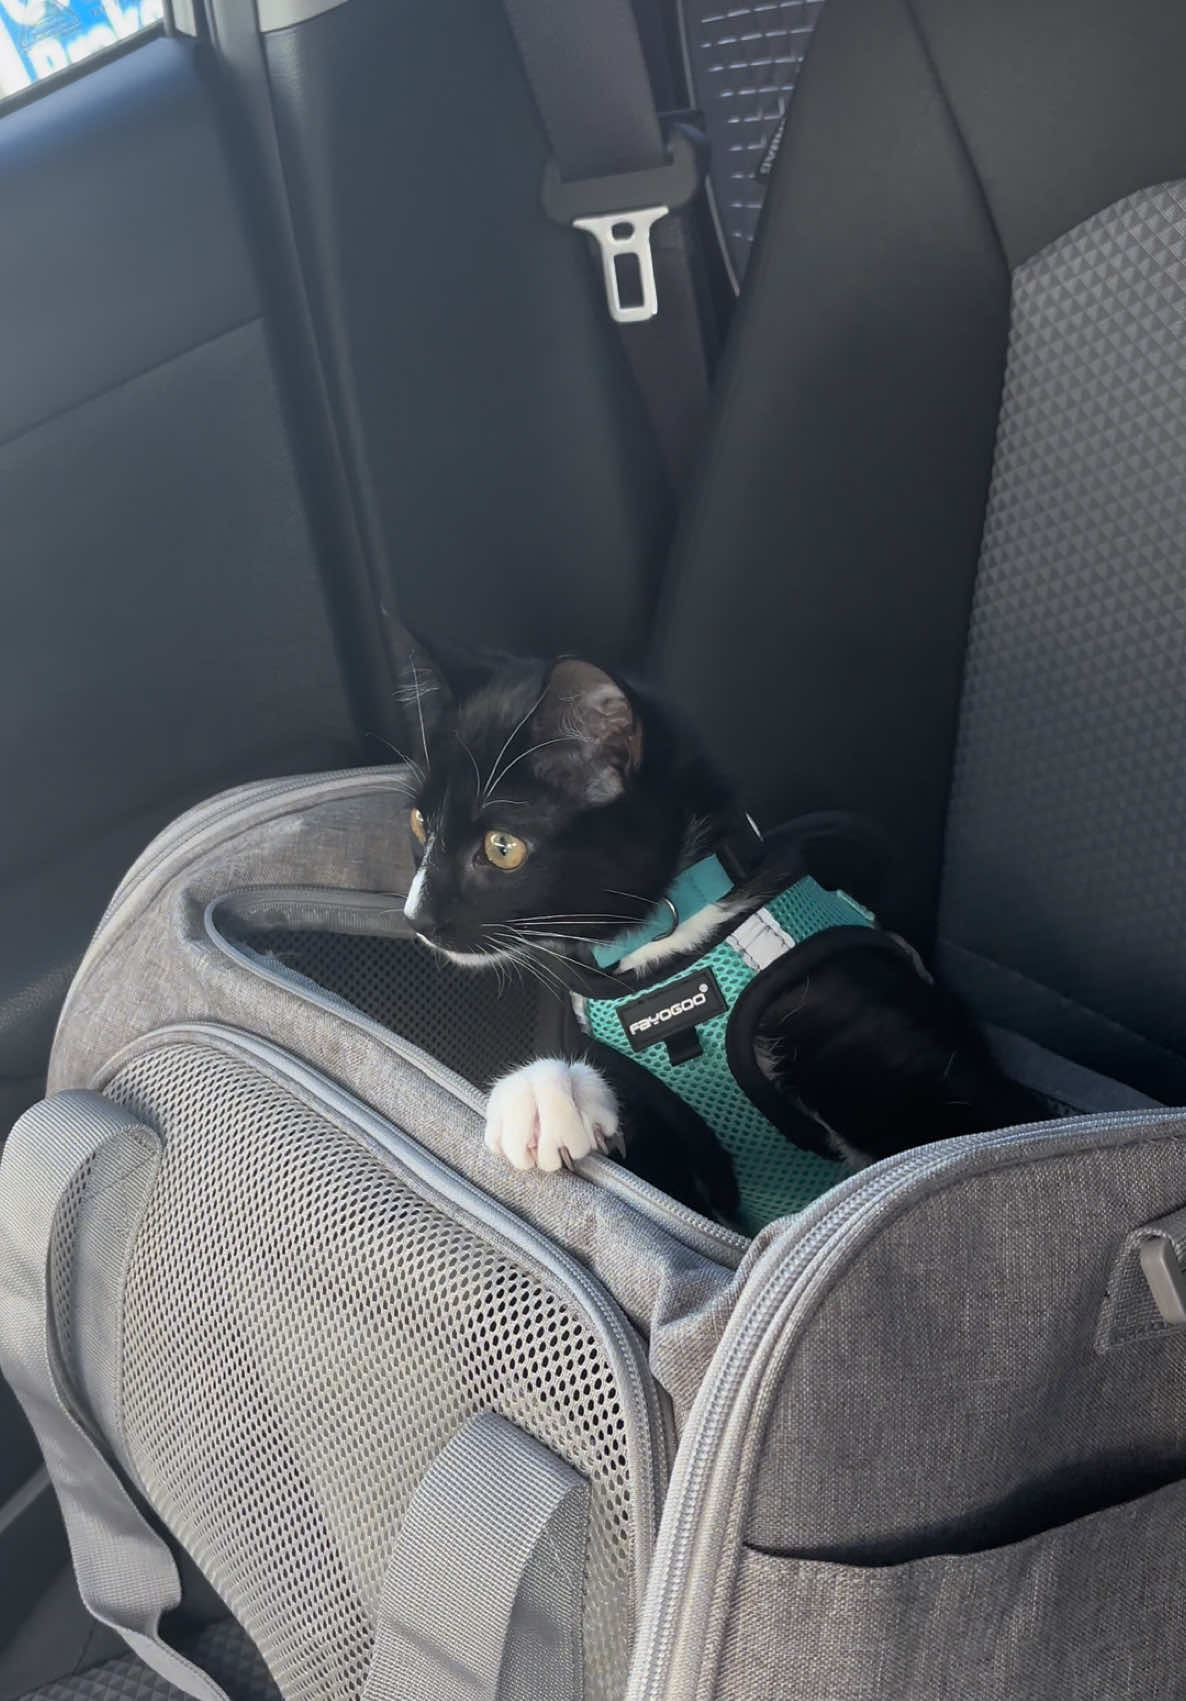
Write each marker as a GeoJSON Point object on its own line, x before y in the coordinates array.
{"type": "Point", "coordinates": [565, 921]}
{"type": "Point", "coordinates": [573, 915]}
{"type": "Point", "coordinates": [561, 935]}
{"type": "Point", "coordinates": [648, 904]}
{"type": "Point", "coordinates": [553, 933]}
{"type": "Point", "coordinates": [473, 763]}
{"type": "Point", "coordinates": [560, 956]}
{"type": "Point", "coordinates": [569, 915]}
{"type": "Point", "coordinates": [509, 740]}
{"type": "Point", "coordinates": [396, 751]}
{"type": "Point", "coordinates": [532, 944]}
{"type": "Point", "coordinates": [509, 936]}
{"type": "Point", "coordinates": [420, 714]}
{"type": "Point", "coordinates": [545, 976]}
{"type": "Point", "coordinates": [523, 755]}
{"type": "Point", "coordinates": [514, 965]}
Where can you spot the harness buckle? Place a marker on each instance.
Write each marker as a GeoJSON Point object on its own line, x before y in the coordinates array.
{"type": "Point", "coordinates": [683, 1047]}
{"type": "Point", "coordinates": [619, 212]}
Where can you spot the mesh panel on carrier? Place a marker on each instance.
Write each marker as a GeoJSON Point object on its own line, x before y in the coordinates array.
{"type": "Point", "coordinates": [476, 1025]}
{"type": "Point", "coordinates": [302, 1334]}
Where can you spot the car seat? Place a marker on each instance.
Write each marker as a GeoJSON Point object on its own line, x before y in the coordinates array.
{"type": "Point", "coordinates": [924, 1439]}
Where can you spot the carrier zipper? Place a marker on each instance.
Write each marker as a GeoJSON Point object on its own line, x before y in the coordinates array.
{"type": "Point", "coordinates": [724, 1245]}
{"type": "Point", "coordinates": [223, 807]}
{"type": "Point", "coordinates": [201, 827]}
{"type": "Point", "coordinates": [785, 1282]}
{"type": "Point", "coordinates": [700, 1234]}
{"type": "Point", "coordinates": [240, 808]}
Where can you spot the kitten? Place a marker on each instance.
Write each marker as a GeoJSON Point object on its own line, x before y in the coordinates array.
{"type": "Point", "coordinates": [556, 806]}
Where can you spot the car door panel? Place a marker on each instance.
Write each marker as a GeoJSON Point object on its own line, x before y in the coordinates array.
{"type": "Point", "coordinates": [165, 628]}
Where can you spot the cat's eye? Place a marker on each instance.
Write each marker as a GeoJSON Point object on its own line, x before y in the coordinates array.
{"type": "Point", "coordinates": [419, 826]}
{"type": "Point", "coordinates": [504, 850]}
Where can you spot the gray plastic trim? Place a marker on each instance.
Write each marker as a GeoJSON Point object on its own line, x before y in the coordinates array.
{"type": "Point", "coordinates": [1167, 1284]}
{"type": "Point", "coordinates": [281, 14]}
{"type": "Point", "coordinates": [1081, 1090]}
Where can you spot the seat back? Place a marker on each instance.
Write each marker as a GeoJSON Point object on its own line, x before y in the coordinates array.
{"type": "Point", "coordinates": [1063, 910]}
{"type": "Point", "coordinates": [971, 276]}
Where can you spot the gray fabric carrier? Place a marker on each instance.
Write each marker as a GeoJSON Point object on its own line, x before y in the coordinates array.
{"type": "Point", "coordinates": [433, 1429]}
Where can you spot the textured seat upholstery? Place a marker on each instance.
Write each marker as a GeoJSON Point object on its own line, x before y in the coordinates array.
{"type": "Point", "coordinates": [943, 500]}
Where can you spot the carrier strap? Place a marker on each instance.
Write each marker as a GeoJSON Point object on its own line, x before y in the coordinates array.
{"type": "Point", "coordinates": [482, 1599]}
{"type": "Point", "coordinates": [126, 1574]}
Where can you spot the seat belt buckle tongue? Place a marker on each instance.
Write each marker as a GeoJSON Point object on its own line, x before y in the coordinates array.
{"type": "Point", "coordinates": [626, 261]}
{"type": "Point", "coordinates": [619, 213]}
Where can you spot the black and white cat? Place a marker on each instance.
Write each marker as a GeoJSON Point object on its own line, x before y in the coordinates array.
{"type": "Point", "coordinates": [555, 807]}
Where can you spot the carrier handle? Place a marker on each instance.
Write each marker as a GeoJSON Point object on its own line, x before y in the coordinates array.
{"type": "Point", "coordinates": [483, 1596]}
{"type": "Point", "coordinates": [126, 1574]}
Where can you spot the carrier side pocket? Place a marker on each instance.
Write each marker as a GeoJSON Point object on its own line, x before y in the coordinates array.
{"type": "Point", "coordinates": [1092, 1608]}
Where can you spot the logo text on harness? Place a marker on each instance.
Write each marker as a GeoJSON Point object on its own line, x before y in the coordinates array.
{"type": "Point", "coordinates": [681, 1004]}
{"type": "Point", "coordinates": [697, 1002]}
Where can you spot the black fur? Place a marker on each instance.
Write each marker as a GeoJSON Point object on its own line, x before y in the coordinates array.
{"type": "Point", "coordinates": [601, 861]}
{"type": "Point", "coordinates": [886, 1059]}
{"type": "Point", "coordinates": [612, 794]}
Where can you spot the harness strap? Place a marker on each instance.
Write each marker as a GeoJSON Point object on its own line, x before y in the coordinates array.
{"type": "Point", "coordinates": [679, 1029]}
{"type": "Point", "coordinates": [706, 882]}
{"type": "Point", "coordinates": [127, 1576]}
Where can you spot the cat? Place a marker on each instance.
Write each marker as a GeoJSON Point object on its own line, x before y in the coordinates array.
{"type": "Point", "coordinates": [554, 808]}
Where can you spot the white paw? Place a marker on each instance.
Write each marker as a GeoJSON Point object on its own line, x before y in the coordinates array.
{"type": "Point", "coordinates": [550, 1114]}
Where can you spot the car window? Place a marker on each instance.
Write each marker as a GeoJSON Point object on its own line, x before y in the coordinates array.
{"type": "Point", "coordinates": [39, 38]}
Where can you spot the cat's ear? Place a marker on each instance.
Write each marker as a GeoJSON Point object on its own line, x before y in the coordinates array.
{"type": "Point", "coordinates": [589, 733]}
{"type": "Point", "coordinates": [425, 696]}
{"type": "Point", "coordinates": [451, 669]}
{"type": "Point", "coordinates": [434, 679]}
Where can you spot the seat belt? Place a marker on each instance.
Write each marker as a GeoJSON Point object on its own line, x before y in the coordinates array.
{"type": "Point", "coordinates": [614, 175]}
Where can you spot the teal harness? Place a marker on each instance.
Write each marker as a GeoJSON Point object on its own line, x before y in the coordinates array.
{"type": "Point", "coordinates": [679, 1028]}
